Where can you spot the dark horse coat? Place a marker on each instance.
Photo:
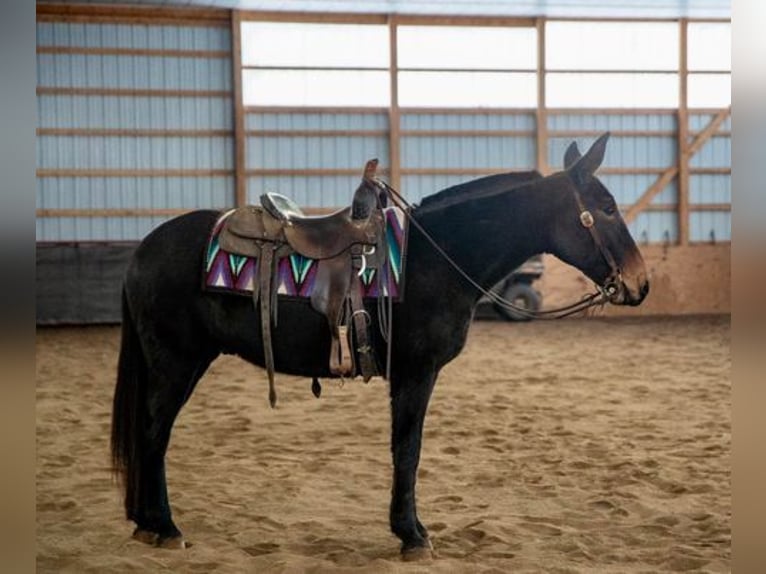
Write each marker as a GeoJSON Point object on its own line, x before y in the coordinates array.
{"type": "Point", "coordinates": [172, 329]}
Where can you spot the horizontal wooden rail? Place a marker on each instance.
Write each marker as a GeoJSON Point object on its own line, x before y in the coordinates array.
{"type": "Point", "coordinates": [315, 133]}
{"type": "Point", "coordinates": [314, 110]}
{"type": "Point", "coordinates": [468, 133]}
{"type": "Point", "coordinates": [130, 92]}
{"type": "Point", "coordinates": [92, 51]}
{"type": "Point", "coordinates": [172, 212]}
{"type": "Point", "coordinates": [134, 172]}
{"type": "Point", "coordinates": [674, 207]}
{"type": "Point", "coordinates": [119, 132]}
{"type": "Point", "coordinates": [309, 172]}
{"type": "Point", "coordinates": [136, 15]}
{"type": "Point", "coordinates": [494, 170]}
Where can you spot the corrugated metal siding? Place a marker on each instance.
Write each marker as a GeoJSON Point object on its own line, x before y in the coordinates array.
{"type": "Point", "coordinates": [472, 152]}
{"type": "Point", "coordinates": [287, 155]}
{"type": "Point", "coordinates": [131, 112]}
{"type": "Point", "coordinates": [117, 112]}
{"type": "Point", "coordinates": [131, 36]}
{"type": "Point", "coordinates": [710, 188]}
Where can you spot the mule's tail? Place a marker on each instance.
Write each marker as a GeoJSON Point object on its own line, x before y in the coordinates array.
{"type": "Point", "coordinates": [129, 411]}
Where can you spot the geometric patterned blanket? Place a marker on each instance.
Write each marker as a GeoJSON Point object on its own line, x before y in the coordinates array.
{"type": "Point", "coordinates": [232, 273]}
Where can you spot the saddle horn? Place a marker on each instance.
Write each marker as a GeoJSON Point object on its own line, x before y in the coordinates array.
{"type": "Point", "coordinates": [370, 168]}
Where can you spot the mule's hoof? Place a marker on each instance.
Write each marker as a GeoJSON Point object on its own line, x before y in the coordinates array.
{"type": "Point", "coordinates": [153, 539]}
{"type": "Point", "coordinates": [172, 543]}
{"type": "Point", "coordinates": [146, 536]}
{"type": "Point", "coordinates": [419, 553]}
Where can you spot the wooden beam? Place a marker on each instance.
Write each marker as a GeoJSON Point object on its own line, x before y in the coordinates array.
{"type": "Point", "coordinates": [612, 111]}
{"type": "Point", "coordinates": [313, 110]}
{"type": "Point", "coordinates": [307, 172]}
{"type": "Point", "coordinates": [315, 133]}
{"type": "Point", "coordinates": [130, 92]}
{"type": "Point", "coordinates": [118, 132]}
{"type": "Point", "coordinates": [312, 17]}
{"type": "Point", "coordinates": [238, 105]}
{"type": "Point", "coordinates": [575, 133]}
{"type": "Point", "coordinates": [143, 15]}
{"type": "Point", "coordinates": [647, 197]}
{"type": "Point", "coordinates": [148, 212]}
{"type": "Point", "coordinates": [495, 169]}
{"type": "Point", "coordinates": [468, 133]}
{"type": "Point", "coordinates": [683, 135]}
{"type": "Point", "coordinates": [90, 51]}
{"type": "Point", "coordinates": [56, 172]}
{"type": "Point", "coordinates": [394, 118]}
{"type": "Point", "coordinates": [112, 212]}
{"type": "Point", "coordinates": [541, 116]}
{"type": "Point", "coordinates": [470, 111]}
{"type": "Point", "coordinates": [710, 170]}
{"type": "Point", "coordinates": [708, 131]}
{"type": "Point", "coordinates": [668, 175]}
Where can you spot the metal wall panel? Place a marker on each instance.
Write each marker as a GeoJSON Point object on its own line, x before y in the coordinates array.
{"type": "Point", "coordinates": [294, 121]}
{"type": "Point", "coordinates": [655, 227]}
{"type": "Point", "coordinates": [612, 122]}
{"type": "Point", "coordinates": [128, 151]}
{"type": "Point", "coordinates": [710, 226]}
{"type": "Point", "coordinates": [450, 150]}
{"type": "Point", "coordinates": [710, 188]}
{"type": "Point", "coordinates": [416, 187]}
{"type": "Point", "coordinates": [473, 121]}
{"type": "Point", "coordinates": [130, 112]}
{"type": "Point", "coordinates": [328, 191]}
{"type": "Point", "coordinates": [288, 155]}
{"type": "Point", "coordinates": [130, 36]}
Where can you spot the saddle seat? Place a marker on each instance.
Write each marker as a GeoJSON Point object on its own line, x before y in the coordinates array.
{"type": "Point", "coordinates": [315, 237]}
{"type": "Point", "coordinates": [344, 243]}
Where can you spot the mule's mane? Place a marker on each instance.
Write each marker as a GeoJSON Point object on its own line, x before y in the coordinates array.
{"type": "Point", "coordinates": [479, 187]}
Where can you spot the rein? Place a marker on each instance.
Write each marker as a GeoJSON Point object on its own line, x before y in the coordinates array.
{"type": "Point", "coordinates": [600, 297]}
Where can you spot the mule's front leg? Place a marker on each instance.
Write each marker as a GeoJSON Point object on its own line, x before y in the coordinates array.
{"type": "Point", "coordinates": [409, 401]}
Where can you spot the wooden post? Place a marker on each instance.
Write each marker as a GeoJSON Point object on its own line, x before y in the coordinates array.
{"type": "Point", "coordinates": [683, 134]}
{"type": "Point", "coordinates": [240, 178]}
{"type": "Point", "coordinates": [394, 125]}
{"type": "Point", "coordinates": [541, 114]}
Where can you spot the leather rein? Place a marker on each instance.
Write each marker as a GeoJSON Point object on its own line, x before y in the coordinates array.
{"type": "Point", "coordinates": [600, 297]}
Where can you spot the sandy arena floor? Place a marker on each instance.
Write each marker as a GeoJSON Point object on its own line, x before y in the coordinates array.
{"type": "Point", "coordinates": [596, 445]}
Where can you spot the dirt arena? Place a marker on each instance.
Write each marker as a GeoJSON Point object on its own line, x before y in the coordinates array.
{"type": "Point", "coordinates": [587, 445]}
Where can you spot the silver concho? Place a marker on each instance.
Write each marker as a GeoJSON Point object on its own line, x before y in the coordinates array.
{"type": "Point", "coordinates": [586, 219]}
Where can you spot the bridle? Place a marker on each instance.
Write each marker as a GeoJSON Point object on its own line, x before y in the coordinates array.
{"type": "Point", "coordinates": [614, 279]}
{"type": "Point", "coordinates": [604, 293]}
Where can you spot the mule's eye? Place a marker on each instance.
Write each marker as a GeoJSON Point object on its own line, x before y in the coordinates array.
{"type": "Point", "coordinates": [610, 209]}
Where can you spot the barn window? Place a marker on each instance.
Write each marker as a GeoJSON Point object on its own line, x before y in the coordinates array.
{"type": "Point", "coordinates": [612, 64]}
{"type": "Point", "coordinates": [709, 64]}
{"type": "Point", "coordinates": [297, 64]}
{"type": "Point", "coordinates": [466, 66]}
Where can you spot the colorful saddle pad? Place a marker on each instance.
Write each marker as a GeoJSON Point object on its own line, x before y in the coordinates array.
{"type": "Point", "coordinates": [229, 272]}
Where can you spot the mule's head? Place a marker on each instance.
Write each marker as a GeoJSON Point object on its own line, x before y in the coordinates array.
{"type": "Point", "coordinates": [590, 233]}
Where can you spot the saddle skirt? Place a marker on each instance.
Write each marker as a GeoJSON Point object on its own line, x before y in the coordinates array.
{"type": "Point", "coordinates": [296, 275]}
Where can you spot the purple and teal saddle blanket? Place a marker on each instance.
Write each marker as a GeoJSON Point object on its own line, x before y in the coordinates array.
{"type": "Point", "coordinates": [296, 275]}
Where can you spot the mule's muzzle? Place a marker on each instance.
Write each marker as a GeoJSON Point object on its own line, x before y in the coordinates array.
{"type": "Point", "coordinates": [620, 291]}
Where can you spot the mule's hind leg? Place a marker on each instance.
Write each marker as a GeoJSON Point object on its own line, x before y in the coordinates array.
{"type": "Point", "coordinates": [409, 401]}
{"type": "Point", "coordinates": [169, 386]}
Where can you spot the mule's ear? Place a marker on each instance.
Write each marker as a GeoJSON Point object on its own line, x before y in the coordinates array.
{"type": "Point", "coordinates": [571, 155]}
{"type": "Point", "coordinates": [592, 159]}
{"type": "Point", "coordinates": [370, 168]}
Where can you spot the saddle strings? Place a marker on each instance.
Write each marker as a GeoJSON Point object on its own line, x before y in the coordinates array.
{"type": "Point", "coordinates": [590, 300]}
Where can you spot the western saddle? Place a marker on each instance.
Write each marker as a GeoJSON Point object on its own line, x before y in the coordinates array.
{"type": "Point", "coordinates": [344, 244]}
